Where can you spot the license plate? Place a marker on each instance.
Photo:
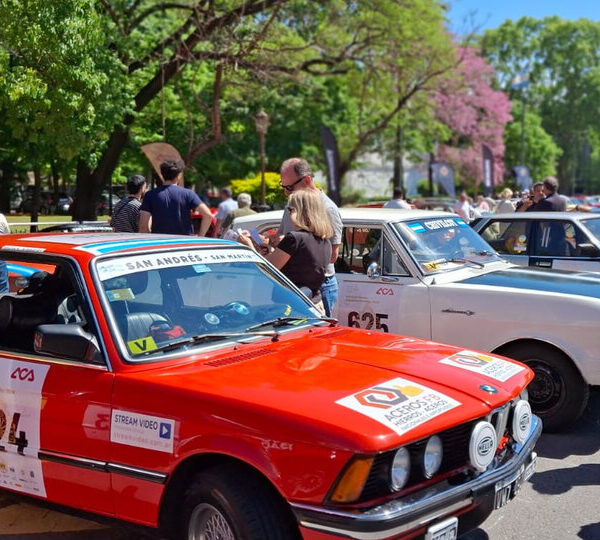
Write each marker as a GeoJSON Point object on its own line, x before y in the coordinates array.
{"type": "Point", "coordinates": [507, 490]}
{"type": "Point", "coordinates": [444, 530]}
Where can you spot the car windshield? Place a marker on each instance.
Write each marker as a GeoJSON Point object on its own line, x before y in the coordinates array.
{"type": "Point", "coordinates": [444, 244]}
{"type": "Point", "coordinates": [593, 226]}
{"type": "Point", "coordinates": [172, 300]}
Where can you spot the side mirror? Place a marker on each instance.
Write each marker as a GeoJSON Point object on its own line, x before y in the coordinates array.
{"type": "Point", "coordinates": [373, 271]}
{"type": "Point", "coordinates": [68, 341]}
{"type": "Point", "coordinates": [587, 250]}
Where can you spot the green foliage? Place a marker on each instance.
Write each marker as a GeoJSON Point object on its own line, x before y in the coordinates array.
{"type": "Point", "coordinates": [61, 88]}
{"type": "Point", "coordinates": [564, 62]}
{"type": "Point", "coordinates": [274, 193]}
{"type": "Point", "coordinates": [541, 152]}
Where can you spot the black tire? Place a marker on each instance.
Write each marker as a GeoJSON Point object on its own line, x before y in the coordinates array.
{"type": "Point", "coordinates": [558, 394]}
{"type": "Point", "coordinates": [240, 506]}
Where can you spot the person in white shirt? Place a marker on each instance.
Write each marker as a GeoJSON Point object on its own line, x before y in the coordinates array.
{"type": "Point", "coordinates": [397, 201]}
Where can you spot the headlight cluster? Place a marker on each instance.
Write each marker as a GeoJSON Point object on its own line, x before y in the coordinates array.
{"type": "Point", "coordinates": [521, 421]}
{"type": "Point", "coordinates": [486, 436]}
{"type": "Point", "coordinates": [430, 462]}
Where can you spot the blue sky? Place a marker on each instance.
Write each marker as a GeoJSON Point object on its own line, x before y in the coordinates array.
{"type": "Point", "coordinates": [491, 14]}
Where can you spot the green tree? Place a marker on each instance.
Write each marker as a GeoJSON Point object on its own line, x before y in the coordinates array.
{"type": "Point", "coordinates": [563, 58]}
{"type": "Point", "coordinates": [541, 152]}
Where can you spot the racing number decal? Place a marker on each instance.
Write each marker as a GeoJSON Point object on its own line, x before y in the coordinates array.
{"type": "Point", "coordinates": [21, 441]}
{"type": "Point", "coordinates": [21, 386]}
{"type": "Point", "coordinates": [368, 319]}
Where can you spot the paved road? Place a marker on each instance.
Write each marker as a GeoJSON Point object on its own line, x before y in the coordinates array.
{"type": "Point", "coordinates": [561, 502]}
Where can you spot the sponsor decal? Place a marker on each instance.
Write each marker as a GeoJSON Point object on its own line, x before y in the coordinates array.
{"type": "Point", "coordinates": [138, 263]}
{"type": "Point", "coordinates": [399, 404]}
{"type": "Point", "coordinates": [21, 386]}
{"type": "Point", "coordinates": [383, 291]}
{"type": "Point", "coordinates": [495, 368]}
{"type": "Point", "coordinates": [142, 430]}
{"type": "Point", "coordinates": [8, 247]}
{"type": "Point", "coordinates": [435, 224]}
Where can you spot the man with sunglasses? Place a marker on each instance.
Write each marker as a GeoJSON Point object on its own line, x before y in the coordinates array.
{"type": "Point", "coordinates": [296, 174]}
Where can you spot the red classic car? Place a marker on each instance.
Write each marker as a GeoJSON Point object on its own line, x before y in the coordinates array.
{"type": "Point", "coordinates": [184, 384]}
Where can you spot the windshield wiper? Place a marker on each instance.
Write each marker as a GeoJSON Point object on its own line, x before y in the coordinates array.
{"type": "Point", "coordinates": [282, 321]}
{"type": "Point", "coordinates": [485, 253]}
{"type": "Point", "coordinates": [464, 261]}
{"type": "Point", "coordinates": [200, 338]}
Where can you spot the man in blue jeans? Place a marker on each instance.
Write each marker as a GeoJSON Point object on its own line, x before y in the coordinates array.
{"type": "Point", "coordinates": [296, 174]}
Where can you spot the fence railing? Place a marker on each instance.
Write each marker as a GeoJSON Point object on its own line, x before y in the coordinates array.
{"type": "Point", "coordinates": [39, 226]}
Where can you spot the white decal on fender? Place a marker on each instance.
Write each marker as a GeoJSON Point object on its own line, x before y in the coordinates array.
{"type": "Point", "coordinates": [399, 404]}
{"type": "Point", "coordinates": [20, 410]}
{"type": "Point", "coordinates": [495, 368]}
{"type": "Point", "coordinates": [142, 430]}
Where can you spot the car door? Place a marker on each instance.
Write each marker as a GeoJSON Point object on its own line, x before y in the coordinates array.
{"type": "Point", "coordinates": [563, 245]}
{"type": "Point", "coordinates": [54, 408]}
{"type": "Point", "coordinates": [510, 237]}
{"type": "Point", "coordinates": [377, 290]}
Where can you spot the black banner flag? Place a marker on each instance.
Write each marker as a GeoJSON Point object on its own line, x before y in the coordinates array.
{"type": "Point", "coordinates": [488, 170]}
{"type": "Point", "coordinates": [332, 158]}
{"type": "Point", "coordinates": [442, 174]}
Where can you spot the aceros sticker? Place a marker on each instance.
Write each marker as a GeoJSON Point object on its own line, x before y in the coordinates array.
{"type": "Point", "coordinates": [399, 404]}
{"type": "Point", "coordinates": [495, 368]}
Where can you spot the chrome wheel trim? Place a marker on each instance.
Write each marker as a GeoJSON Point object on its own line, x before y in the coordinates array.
{"type": "Point", "coordinates": [208, 523]}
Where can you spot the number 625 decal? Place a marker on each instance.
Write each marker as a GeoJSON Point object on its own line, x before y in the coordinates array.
{"type": "Point", "coordinates": [368, 319]}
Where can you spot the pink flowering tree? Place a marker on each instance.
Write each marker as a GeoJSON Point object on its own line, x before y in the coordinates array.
{"type": "Point", "coordinates": [476, 114]}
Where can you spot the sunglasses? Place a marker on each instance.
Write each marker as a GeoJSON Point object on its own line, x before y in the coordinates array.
{"type": "Point", "coordinates": [290, 187]}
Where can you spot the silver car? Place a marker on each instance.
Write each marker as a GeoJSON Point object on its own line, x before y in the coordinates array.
{"type": "Point", "coordinates": [558, 240]}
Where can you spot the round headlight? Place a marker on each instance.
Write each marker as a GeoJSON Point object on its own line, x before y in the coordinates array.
{"type": "Point", "coordinates": [400, 469]}
{"type": "Point", "coordinates": [432, 457]}
{"type": "Point", "coordinates": [482, 446]}
{"type": "Point", "coordinates": [521, 423]}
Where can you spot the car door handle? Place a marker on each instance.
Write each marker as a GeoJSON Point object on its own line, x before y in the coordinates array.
{"type": "Point", "coordinates": [389, 279]}
{"type": "Point", "coordinates": [466, 312]}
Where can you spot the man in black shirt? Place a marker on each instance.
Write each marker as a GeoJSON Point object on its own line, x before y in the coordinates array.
{"type": "Point", "coordinates": [552, 202]}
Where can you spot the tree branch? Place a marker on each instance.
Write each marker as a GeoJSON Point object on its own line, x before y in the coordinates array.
{"type": "Point", "coordinates": [159, 7]}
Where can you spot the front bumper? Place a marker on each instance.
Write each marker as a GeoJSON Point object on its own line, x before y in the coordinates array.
{"type": "Point", "coordinates": [415, 511]}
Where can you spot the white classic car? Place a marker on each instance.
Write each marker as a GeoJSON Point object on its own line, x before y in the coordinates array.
{"type": "Point", "coordinates": [558, 240]}
{"type": "Point", "coordinates": [428, 274]}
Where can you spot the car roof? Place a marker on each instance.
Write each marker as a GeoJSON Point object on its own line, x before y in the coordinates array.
{"type": "Point", "coordinates": [543, 215]}
{"type": "Point", "coordinates": [357, 214]}
{"type": "Point", "coordinates": [86, 246]}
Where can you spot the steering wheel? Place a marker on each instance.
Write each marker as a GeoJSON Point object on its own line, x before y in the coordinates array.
{"type": "Point", "coordinates": [238, 308]}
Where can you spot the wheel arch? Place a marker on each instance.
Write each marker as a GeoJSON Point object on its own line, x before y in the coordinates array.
{"type": "Point", "coordinates": [503, 349]}
{"type": "Point", "coordinates": [187, 470]}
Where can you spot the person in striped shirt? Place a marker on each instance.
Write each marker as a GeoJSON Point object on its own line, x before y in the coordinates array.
{"type": "Point", "coordinates": [126, 213]}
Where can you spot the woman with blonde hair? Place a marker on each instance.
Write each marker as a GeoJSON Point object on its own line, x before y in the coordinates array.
{"type": "Point", "coordinates": [506, 205]}
{"type": "Point", "coordinates": [303, 254]}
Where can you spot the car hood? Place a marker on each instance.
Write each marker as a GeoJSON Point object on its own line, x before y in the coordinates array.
{"type": "Point", "coordinates": [553, 281]}
{"type": "Point", "coordinates": [359, 389]}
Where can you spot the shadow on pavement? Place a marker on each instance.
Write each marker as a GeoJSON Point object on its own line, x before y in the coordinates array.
{"type": "Point", "coordinates": [590, 532]}
{"type": "Point", "coordinates": [475, 534]}
{"type": "Point", "coordinates": [558, 481]}
{"type": "Point", "coordinates": [583, 439]}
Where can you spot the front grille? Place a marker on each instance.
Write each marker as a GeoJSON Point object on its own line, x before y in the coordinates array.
{"type": "Point", "coordinates": [455, 460]}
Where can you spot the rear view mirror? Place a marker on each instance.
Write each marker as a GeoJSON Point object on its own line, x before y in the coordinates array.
{"type": "Point", "coordinates": [68, 341]}
{"type": "Point", "coordinates": [587, 250]}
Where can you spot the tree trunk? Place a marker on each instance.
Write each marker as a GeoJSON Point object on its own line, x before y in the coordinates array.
{"type": "Point", "coordinates": [90, 184]}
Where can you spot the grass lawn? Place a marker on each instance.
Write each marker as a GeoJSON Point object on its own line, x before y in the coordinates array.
{"type": "Point", "coordinates": [20, 223]}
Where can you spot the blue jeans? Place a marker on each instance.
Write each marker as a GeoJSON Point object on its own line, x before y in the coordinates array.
{"type": "Point", "coordinates": [329, 292]}
{"type": "Point", "coordinates": [3, 278]}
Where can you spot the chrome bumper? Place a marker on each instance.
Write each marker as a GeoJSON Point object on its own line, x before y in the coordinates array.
{"type": "Point", "coordinates": [416, 510]}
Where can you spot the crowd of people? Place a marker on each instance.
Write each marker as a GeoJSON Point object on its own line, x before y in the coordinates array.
{"type": "Point", "coordinates": [304, 248]}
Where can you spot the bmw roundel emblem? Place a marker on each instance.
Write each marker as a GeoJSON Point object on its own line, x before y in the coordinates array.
{"type": "Point", "coordinates": [488, 388]}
